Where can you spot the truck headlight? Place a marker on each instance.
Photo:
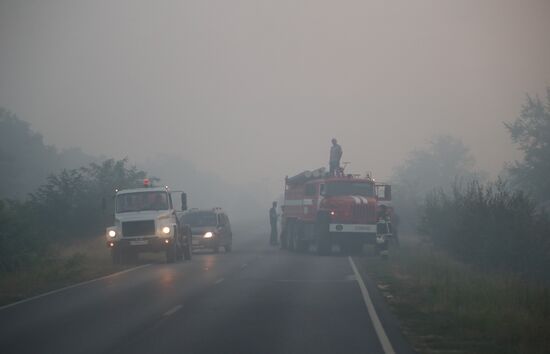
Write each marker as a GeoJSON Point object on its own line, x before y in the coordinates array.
{"type": "Point", "coordinates": [112, 233]}
{"type": "Point", "coordinates": [166, 230]}
{"type": "Point", "coordinates": [208, 235]}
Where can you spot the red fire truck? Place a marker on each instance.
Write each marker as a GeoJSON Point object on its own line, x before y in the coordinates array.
{"type": "Point", "coordinates": [347, 210]}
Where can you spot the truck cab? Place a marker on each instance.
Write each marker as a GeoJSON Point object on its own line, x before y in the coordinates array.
{"type": "Point", "coordinates": [147, 221]}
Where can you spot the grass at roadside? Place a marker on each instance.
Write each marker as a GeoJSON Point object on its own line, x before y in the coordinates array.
{"type": "Point", "coordinates": [71, 264]}
{"type": "Point", "coordinates": [446, 306]}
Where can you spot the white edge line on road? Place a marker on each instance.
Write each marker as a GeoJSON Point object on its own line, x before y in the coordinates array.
{"type": "Point", "coordinates": [382, 336]}
{"type": "Point", "coordinates": [72, 286]}
{"type": "Point", "coordinates": [172, 311]}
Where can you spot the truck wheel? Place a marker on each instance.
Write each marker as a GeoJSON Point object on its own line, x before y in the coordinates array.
{"type": "Point", "coordinates": [187, 252]}
{"type": "Point", "coordinates": [171, 253]}
{"type": "Point", "coordinates": [299, 244]}
{"type": "Point", "coordinates": [284, 238]}
{"type": "Point", "coordinates": [179, 252]}
{"type": "Point", "coordinates": [291, 235]}
{"type": "Point", "coordinates": [116, 255]}
{"type": "Point", "coordinates": [323, 236]}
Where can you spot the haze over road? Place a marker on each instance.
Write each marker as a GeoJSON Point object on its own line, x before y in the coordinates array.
{"type": "Point", "coordinates": [256, 299]}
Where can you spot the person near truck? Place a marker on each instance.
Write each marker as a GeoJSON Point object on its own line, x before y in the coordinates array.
{"type": "Point", "coordinates": [273, 222]}
{"type": "Point", "coordinates": [335, 156]}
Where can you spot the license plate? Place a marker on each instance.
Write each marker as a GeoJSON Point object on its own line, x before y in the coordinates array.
{"type": "Point", "coordinates": [139, 242]}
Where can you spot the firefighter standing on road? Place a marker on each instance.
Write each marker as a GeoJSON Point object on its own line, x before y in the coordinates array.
{"type": "Point", "coordinates": [335, 156]}
{"type": "Point", "coordinates": [273, 221]}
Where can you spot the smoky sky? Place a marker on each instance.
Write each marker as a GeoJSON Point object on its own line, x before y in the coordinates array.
{"type": "Point", "coordinates": [254, 90]}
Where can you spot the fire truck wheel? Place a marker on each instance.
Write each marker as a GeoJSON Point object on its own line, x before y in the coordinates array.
{"type": "Point", "coordinates": [323, 235]}
{"type": "Point", "coordinates": [300, 245]}
{"type": "Point", "coordinates": [284, 241]}
{"type": "Point", "coordinates": [291, 234]}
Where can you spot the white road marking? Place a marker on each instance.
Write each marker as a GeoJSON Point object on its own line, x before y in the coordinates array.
{"type": "Point", "coordinates": [172, 310]}
{"type": "Point", "coordinates": [73, 286]}
{"type": "Point", "coordinates": [382, 336]}
{"type": "Point", "coordinates": [219, 280]}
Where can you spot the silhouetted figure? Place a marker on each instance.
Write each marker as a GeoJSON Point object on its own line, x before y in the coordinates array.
{"type": "Point", "coordinates": [273, 222]}
{"type": "Point", "coordinates": [335, 156]}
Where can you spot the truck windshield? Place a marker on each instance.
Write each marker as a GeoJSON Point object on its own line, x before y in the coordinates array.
{"type": "Point", "coordinates": [198, 219]}
{"type": "Point", "coordinates": [364, 189]}
{"type": "Point", "coordinates": [141, 201]}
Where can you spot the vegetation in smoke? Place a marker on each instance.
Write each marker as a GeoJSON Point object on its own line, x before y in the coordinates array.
{"type": "Point", "coordinates": [25, 161]}
{"type": "Point", "coordinates": [72, 204]}
{"type": "Point", "coordinates": [445, 160]}
{"type": "Point", "coordinates": [489, 226]}
{"type": "Point", "coordinates": [445, 305]}
{"type": "Point", "coordinates": [531, 130]}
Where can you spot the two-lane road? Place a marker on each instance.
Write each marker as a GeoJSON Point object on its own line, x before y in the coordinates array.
{"type": "Point", "coordinates": [256, 299]}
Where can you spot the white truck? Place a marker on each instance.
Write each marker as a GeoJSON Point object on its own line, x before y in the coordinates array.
{"type": "Point", "coordinates": [147, 221]}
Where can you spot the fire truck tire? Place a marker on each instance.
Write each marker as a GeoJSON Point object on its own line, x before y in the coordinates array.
{"type": "Point", "coordinates": [284, 240]}
{"type": "Point", "coordinates": [323, 235]}
{"type": "Point", "coordinates": [300, 245]}
{"type": "Point", "coordinates": [291, 234]}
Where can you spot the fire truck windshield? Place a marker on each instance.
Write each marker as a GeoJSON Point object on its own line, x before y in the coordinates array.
{"type": "Point", "coordinates": [334, 189]}
{"type": "Point", "coordinates": [141, 201]}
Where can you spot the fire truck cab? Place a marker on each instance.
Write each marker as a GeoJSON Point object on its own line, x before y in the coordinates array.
{"type": "Point", "coordinates": [345, 210]}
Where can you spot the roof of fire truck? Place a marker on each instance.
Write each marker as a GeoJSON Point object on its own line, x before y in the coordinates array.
{"type": "Point", "coordinates": [320, 175]}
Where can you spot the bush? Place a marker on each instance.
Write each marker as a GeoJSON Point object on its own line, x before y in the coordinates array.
{"type": "Point", "coordinates": [72, 204]}
{"type": "Point", "coordinates": [20, 243]}
{"type": "Point", "coordinates": [489, 226]}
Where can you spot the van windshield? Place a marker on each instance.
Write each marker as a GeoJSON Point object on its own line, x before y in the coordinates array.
{"type": "Point", "coordinates": [198, 219]}
{"type": "Point", "coordinates": [334, 189]}
{"type": "Point", "coordinates": [141, 201]}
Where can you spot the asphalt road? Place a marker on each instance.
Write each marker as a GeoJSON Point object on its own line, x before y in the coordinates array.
{"type": "Point", "coordinates": [256, 299]}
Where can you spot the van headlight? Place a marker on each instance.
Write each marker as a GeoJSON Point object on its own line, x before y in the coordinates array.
{"type": "Point", "coordinates": [166, 230]}
{"type": "Point", "coordinates": [112, 233]}
{"type": "Point", "coordinates": [208, 235]}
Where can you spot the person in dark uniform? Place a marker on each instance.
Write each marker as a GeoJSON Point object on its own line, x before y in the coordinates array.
{"type": "Point", "coordinates": [273, 222]}
{"type": "Point", "coordinates": [335, 156]}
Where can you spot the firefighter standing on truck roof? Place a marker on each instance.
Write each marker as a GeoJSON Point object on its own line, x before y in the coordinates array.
{"type": "Point", "coordinates": [273, 222]}
{"type": "Point", "coordinates": [335, 156]}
